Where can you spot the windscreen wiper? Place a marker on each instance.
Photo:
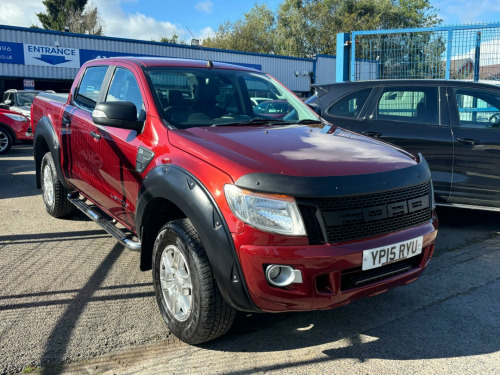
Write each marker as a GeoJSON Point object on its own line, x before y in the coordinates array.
{"type": "Point", "coordinates": [309, 121]}
{"type": "Point", "coordinates": [254, 121]}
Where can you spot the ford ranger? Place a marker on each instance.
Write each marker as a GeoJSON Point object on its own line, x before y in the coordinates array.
{"type": "Point", "coordinates": [231, 209]}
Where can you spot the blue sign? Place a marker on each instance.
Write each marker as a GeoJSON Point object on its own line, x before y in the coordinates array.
{"type": "Point", "coordinates": [11, 53]}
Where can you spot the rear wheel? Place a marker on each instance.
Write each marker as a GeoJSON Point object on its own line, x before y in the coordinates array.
{"type": "Point", "coordinates": [6, 141]}
{"type": "Point", "coordinates": [53, 192]}
{"type": "Point", "coordinates": [186, 291]}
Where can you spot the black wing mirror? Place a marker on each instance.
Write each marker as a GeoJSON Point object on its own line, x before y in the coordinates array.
{"type": "Point", "coordinates": [117, 114]}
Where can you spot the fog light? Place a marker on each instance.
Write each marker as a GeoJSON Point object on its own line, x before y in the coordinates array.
{"type": "Point", "coordinates": [282, 276]}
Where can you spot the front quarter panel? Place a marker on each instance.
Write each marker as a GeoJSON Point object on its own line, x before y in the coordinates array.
{"type": "Point", "coordinates": [188, 194]}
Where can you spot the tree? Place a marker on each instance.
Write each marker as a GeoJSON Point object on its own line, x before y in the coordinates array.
{"type": "Point", "coordinates": [253, 33]}
{"type": "Point", "coordinates": [58, 13]}
{"type": "Point", "coordinates": [87, 22]}
{"type": "Point", "coordinates": [72, 14]}
{"type": "Point", "coordinates": [305, 28]}
{"type": "Point", "coordinates": [174, 39]}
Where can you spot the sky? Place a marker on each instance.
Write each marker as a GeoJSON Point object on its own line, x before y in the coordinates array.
{"type": "Point", "coordinates": [152, 19]}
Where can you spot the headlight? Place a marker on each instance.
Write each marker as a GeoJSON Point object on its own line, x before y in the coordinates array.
{"type": "Point", "coordinates": [269, 212]}
{"type": "Point", "coordinates": [20, 118]}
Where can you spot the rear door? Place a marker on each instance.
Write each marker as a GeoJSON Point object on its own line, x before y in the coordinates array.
{"type": "Point", "coordinates": [81, 163]}
{"type": "Point", "coordinates": [349, 111]}
{"type": "Point", "coordinates": [412, 118]}
{"type": "Point", "coordinates": [475, 117]}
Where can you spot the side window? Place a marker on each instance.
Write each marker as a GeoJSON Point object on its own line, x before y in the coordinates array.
{"type": "Point", "coordinates": [478, 108]}
{"type": "Point", "coordinates": [90, 85]}
{"type": "Point", "coordinates": [418, 105]}
{"type": "Point", "coordinates": [124, 88]}
{"type": "Point", "coordinates": [350, 105]}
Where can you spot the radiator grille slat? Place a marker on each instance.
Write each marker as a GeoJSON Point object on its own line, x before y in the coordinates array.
{"type": "Point", "coordinates": [357, 217]}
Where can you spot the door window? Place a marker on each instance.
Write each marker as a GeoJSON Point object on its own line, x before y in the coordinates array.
{"type": "Point", "coordinates": [350, 105]}
{"type": "Point", "coordinates": [409, 105]}
{"type": "Point", "coordinates": [90, 85]}
{"type": "Point", "coordinates": [124, 88]}
{"type": "Point", "coordinates": [478, 108]}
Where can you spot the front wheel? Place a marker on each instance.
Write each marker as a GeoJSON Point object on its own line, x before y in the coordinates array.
{"type": "Point", "coordinates": [186, 291]}
{"type": "Point", "coordinates": [53, 192]}
{"type": "Point", "coordinates": [6, 141]}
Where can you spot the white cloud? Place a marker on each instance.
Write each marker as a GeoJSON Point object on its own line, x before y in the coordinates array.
{"type": "Point", "coordinates": [116, 22]}
{"type": "Point", "coordinates": [205, 6]}
{"type": "Point", "coordinates": [207, 32]}
{"type": "Point", "coordinates": [490, 53]}
{"type": "Point", "coordinates": [15, 13]}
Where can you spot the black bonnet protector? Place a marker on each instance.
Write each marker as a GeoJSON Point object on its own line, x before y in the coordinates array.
{"type": "Point", "coordinates": [337, 186]}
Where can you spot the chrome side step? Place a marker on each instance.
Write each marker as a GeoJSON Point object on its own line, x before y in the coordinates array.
{"type": "Point", "coordinates": [105, 224]}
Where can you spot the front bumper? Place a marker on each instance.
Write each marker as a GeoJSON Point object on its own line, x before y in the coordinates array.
{"type": "Point", "coordinates": [332, 274]}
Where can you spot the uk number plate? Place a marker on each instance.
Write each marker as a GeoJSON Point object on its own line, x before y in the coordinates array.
{"type": "Point", "coordinates": [380, 256]}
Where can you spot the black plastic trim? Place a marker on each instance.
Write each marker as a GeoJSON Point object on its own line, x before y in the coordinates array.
{"type": "Point", "coordinates": [185, 191]}
{"type": "Point", "coordinates": [337, 186]}
{"type": "Point", "coordinates": [45, 130]}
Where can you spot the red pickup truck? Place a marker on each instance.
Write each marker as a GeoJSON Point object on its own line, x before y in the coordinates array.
{"type": "Point", "coordinates": [231, 209]}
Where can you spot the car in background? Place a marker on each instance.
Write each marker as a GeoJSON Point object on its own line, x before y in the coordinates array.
{"type": "Point", "coordinates": [454, 124]}
{"type": "Point", "coordinates": [273, 108]}
{"type": "Point", "coordinates": [14, 128]}
{"type": "Point", "coordinates": [19, 100]}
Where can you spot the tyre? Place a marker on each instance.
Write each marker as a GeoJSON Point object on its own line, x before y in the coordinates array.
{"type": "Point", "coordinates": [53, 192]}
{"type": "Point", "coordinates": [186, 291]}
{"type": "Point", "coordinates": [6, 141]}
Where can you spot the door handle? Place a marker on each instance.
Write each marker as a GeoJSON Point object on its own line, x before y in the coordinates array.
{"type": "Point", "coordinates": [373, 134]}
{"type": "Point", "coordinates": [468, 141]}
{"type": "Point", "coordinates": [95, 135]}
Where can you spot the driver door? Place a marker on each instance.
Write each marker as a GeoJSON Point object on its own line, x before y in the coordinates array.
{"type": "Point", "coordinates": [475, 119]}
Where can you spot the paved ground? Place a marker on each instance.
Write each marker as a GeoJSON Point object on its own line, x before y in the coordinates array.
{"type": "Point", "coordinates": [73, 301]}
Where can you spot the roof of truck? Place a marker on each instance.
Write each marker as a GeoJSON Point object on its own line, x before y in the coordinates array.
{"type": "Point", "coordinates": [146, 61]}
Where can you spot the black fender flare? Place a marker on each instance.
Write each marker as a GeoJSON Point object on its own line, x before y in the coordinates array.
{"type": "Point", "coordinates": [180, 187]}
{"type": "Point", "coordinates": [45, 131]}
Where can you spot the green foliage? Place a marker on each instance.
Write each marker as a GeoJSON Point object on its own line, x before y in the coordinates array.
{"type": "Point", "coordinates": [252, 33]}
{"type": "Point", "coordinates": [58, 13]}
{"type": "Point", "coordinates": [175, 39]}
{"type": "Point", "coordinates": [305, 28]}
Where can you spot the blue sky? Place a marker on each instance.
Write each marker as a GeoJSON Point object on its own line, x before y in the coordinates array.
{"type": "Point", "coordinates": [151, 19]}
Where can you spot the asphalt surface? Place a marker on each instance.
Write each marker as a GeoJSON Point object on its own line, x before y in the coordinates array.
{"type": "Point", "coordinates": [73, 301]}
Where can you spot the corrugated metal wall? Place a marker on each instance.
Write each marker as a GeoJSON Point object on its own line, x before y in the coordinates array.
{"type": "Point", "coordinates": [294, 73]}
{"type": "Point", "coordinates": [325, 69]}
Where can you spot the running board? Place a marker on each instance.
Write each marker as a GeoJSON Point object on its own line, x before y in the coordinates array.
{"type": "Point", "coordinates": [106, 224]}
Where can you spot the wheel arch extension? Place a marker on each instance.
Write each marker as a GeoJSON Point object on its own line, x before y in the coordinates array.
{"type": "Point", "coordinates": [45, 139]}
{"type": "Point", "coordinates": [170, 192]}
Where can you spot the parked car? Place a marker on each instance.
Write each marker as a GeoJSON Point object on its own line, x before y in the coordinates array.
{"type": "Point", "coordinates": [454, 124]}
{"type": "Point", "coordinates": [273, 108]}
{"type": "Point", "coordinates": [14, 128]}
{"type": "Point", "coordinates": [19, 100]}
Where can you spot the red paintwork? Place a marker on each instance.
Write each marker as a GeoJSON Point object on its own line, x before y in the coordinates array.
{"type": "Point", "coordinates": [19, 128]}
{"type": "Point", "coordinates": [220, 155]}
{"type": "Point", "coordinates": [318, 260]}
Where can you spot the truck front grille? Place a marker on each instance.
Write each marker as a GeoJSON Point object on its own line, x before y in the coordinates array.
{"type": "Point", "coordinates": [356, 217]}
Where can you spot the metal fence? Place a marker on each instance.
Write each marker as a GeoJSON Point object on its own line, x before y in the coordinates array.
{"type": "Point", "coordinates": [469, 52]}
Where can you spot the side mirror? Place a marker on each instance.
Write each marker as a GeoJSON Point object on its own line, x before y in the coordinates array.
{"type": "Point", "coordinates": [7, 102]}
{"type": "Point", "coordinates": [316, 108]}
{"type": "Point", "coordinates": [117, 114]}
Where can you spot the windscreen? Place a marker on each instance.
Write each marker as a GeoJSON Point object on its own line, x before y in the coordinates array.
{"type": "Point", "coordinates": [189, 97]}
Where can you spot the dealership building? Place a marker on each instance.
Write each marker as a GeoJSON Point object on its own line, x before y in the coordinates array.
{"type": "Point", "coordinates": [49, 60]}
